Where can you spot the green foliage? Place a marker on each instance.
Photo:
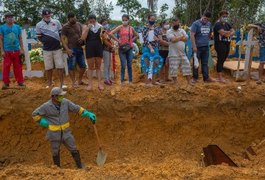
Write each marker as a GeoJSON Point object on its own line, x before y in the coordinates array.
{"type": "Point", "coordinates": [115, 22]}
{"type": "Point", "coordinates": [241, 11]}
{"type": "Point", "coordinates": [32, 9]}
{"type": "Point", "coordinates": [35, 55]}
{"type": "Point", "coordinates": [102, 9]}
{"type": "Point", "coordinates": [83, 11]}
{"type": "Point", "coordinates": [129, 7]}
{"type": "Point", "coordinates": [140, 46]}
{"type": "Point", "coordinates": [162, 12]}
{"type": "Point", "coordinates": [142, 15]}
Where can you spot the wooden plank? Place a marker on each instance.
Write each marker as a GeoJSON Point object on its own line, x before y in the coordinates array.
{"type": "Point", "coordinates": [232, 65]}
{"type": "Point", "coordinates": [214, 155]}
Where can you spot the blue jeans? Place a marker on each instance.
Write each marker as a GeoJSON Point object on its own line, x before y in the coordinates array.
{"type": "Point", "coordinates": [203, 56]}
{"type": "Point", "coordinates": [126, 58]}
{"type": "Point", "coordinates": [76, 58]}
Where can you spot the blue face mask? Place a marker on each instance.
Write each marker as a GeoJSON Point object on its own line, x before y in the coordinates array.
{"type": "Point", "coordinates": [152, 22]}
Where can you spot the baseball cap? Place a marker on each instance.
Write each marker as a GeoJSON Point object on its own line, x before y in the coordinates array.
{"type": "Point", "coordinates": [57, 91]}
{"type": "Point", "coordinates": [46, 12]}
{"type": "Point", "coordinates": [8, 14]}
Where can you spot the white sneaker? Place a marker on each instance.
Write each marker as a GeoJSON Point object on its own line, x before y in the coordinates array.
{"type": "Point", "coordinates": [64, 87]}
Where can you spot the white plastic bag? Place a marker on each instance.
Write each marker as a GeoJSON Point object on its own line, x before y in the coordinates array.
{"type": "Point", "coordinates": [195, 61]}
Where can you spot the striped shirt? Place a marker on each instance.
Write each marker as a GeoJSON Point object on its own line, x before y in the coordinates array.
{"type": "Point", "coordinates": [49, 34]}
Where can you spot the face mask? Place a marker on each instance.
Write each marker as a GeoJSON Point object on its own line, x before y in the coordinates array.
{"type": "Point", "coordinates": [10, 19]}
{"type": "Point", "coordinates": [224, 19]}
{"type": "Point", "coordinates": [73, 22]}
{"type": "Point", "coordinates": [106, 26]}
{"type": "Point", "coordinates": [125, 22]}
{"type": "Point", "coordinates": [60, 99]}
{"type": "Point", "coordinates": [204, 21]}
{"type": "Point", "coordinates": [166, 26]}
{"type": "Point", "coordinates": [152, 22]}
{"type": "Point", "coordinates": [176, 27]}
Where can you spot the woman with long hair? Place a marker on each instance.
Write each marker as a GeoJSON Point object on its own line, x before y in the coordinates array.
{"type": "Point", "coordinates": [126, 36]}
{"type": "Point", "coordinates": [92, 35]}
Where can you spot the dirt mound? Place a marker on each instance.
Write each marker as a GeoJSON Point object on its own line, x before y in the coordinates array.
{"type": "Point", "coordinates": [147, 132]}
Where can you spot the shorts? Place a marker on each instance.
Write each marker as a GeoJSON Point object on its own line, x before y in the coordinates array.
{"type": "Point", "coordinates": [76, 58]}
{"type": "Point", "coordinates": [262, 55]}
{"type": "Point", "coordinates": [175, 62]}
{"type": "Point", "coordinates": [52, 58]}
{"type": "Point", "coordinates": [94, 49]}
{"type": "Point", "coordinates": [164, 55]}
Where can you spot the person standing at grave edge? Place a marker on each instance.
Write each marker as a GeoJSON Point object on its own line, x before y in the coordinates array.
{"type": "Point", "coordinates": [200, 37]}
{"type": "Point", "coordinates": [223, 33]}
{"type": "Point", "coordinates": [126, 36]}
{"type": "Point", "coordinates": [12, 50]}
{"type": "Point", "coordinates": [71, 33]}
{"type": "Point", "coordinates": [151, 39]}
{"type": "Point", "coordinates": [48, 32]}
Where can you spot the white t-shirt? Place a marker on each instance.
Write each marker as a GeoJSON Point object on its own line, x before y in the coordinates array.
{"type": "Point", "coordinates": [176, 49]}
{"type": "Point", "coordinates": [151, 35]}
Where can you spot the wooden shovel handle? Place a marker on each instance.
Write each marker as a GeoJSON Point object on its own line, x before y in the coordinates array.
{"type": "Point", "coordinates": [96, 132]}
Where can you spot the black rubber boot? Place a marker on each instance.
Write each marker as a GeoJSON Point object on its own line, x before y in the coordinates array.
{"type": "Point", "coordinates": [56, 160]}
{"type": "Point", "coordinates": [77, 159]}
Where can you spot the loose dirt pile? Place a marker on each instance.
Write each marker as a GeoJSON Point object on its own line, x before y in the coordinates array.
{"type": "Point", "coordinates": [148, 133]}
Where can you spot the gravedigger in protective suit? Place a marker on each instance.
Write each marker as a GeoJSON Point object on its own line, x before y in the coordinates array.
{"type": "Point", "coordinates": [53, 115]}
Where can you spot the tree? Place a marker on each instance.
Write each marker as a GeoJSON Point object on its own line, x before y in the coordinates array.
{"type": "Point", "coordinates": [32, 9]}
{"type": "Point", "coordinates": [129, 7]}
{"type": "Point", "coordinates": [142, 14]}
{"type": "Point", "coordinates": [162, 12]}
{"type": "Point", "coordinates": [152, 5]}
{"type": "Point", "coordinates": [241, 11]}
{"type": "Point", "coordinates": [102, 9]}
{"type": "Point", "coordinates": [22, 9]}
{"type": "Point", "coordinates": [84, 9]}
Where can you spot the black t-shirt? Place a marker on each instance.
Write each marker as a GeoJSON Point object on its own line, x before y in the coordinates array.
{"type": "Point", "coordinates": [217, 27]}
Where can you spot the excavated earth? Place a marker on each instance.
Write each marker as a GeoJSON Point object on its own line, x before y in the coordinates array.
{"type": "Point", "coordinates": [148, 133]}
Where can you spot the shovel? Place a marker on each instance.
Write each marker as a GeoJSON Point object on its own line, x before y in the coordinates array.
{"type": "Point", "coordinates": [101, 156]}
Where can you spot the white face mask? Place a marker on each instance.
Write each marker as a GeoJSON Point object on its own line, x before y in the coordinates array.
{"type": "Point", "coordinates": [166, 26]}
{"type": "Point", "coordinates": [125, 22]}
{"type": "Point", "coordinates": [224, 19]}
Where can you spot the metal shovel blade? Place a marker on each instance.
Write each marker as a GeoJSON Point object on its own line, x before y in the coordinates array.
{"type": "Point", "coordinates": [101, 157]}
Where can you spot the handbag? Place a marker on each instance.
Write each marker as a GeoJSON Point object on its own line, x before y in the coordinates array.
{"type": "Point", "coordinates": [126, 47]}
